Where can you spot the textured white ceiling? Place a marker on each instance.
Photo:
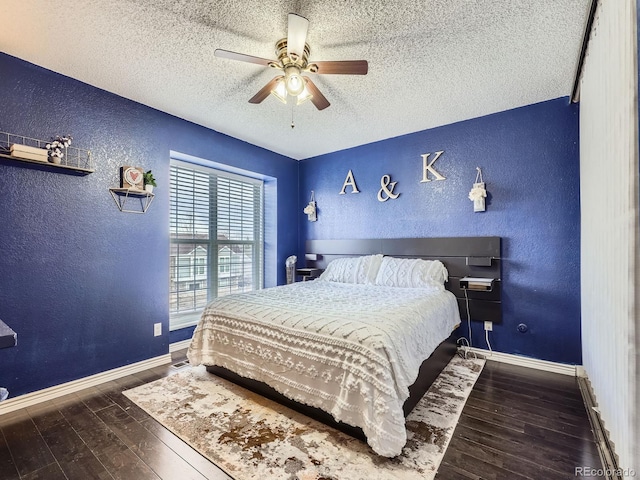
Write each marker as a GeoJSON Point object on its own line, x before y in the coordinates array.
{"type": "Point", "coordinates": [431, 62]}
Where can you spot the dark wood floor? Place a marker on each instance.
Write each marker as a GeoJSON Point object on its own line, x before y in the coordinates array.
{"type": "Point", "coordinates": [518, 423]}
{"type": "Point", "coordinates": [521, 423]}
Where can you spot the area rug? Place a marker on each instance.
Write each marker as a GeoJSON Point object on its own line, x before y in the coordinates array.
{"type": "Point", "coordinates": [253, 438]}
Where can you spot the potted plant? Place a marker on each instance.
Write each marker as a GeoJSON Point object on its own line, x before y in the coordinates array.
{"type": "Point", "coordinates": [149, 181]}
{"type": "Point", "coordinates": [56, 146]}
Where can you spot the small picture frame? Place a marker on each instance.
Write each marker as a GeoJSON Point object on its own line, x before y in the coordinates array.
{"type": "Point", "coordinates": [131, 177]}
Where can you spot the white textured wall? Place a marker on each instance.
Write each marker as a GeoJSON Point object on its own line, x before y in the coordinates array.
{"type": "Point", "coordinates": [609, 221]}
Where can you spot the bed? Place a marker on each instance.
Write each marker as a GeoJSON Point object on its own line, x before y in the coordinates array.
{"type": "Point", "coordinates": [352, 343]}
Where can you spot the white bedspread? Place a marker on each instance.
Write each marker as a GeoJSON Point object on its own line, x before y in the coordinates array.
{"type": "Point", "coordinates": [349, 349]}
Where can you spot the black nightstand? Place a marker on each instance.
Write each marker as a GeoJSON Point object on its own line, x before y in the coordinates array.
{"type": "Point", "coordinates": [308, 273]}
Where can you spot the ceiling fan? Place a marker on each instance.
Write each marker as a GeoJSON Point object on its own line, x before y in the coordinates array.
{"type": "Point", "coordinates": [293, 60]}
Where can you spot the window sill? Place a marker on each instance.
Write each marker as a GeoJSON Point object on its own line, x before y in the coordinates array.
{"type": "Point", "coordinates": [184, 320]}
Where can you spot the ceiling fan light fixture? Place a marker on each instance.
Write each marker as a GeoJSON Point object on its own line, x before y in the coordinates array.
{"type": "Point", "coordinates": [280, 91]}
{"type": "Point", "coordinates": [293, 81]}
{"type": "Point", "coordinates": [304, 95]}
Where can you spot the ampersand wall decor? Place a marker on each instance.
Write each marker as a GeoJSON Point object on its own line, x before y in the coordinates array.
{"type": "Point", "coordinates": [386, 189]}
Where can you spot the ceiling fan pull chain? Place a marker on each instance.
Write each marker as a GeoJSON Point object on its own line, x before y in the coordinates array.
{"type": "Point", "coordinates": [293, 125]}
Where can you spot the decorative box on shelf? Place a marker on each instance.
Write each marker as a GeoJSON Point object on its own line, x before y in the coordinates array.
{"type": "Point", "coordinates": [34, 150]}
{"type": "Point", "coordinates": [26, 152]}
{"type": "Point", "coordinates": [131, 177]}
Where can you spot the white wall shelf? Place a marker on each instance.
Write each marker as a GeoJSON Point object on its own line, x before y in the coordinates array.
{"type": "Point", "coordinates": [48, 164]}
{"type": "Point", "coordinates": [122, 195]}
{"type": "Point", "coordinates": [75, 159]}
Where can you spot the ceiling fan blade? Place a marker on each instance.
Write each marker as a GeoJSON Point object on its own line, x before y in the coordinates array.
{"type": "Point", "coordinates": [318, 99]}
{"type": "Point", "coordinates": [296, 34]}
{"type": "Point", "coordinates": [343, 67]}
{"type": "Point", "coordinates": [266, 90]}
{"type": "Point", "coordinates": [242, 57]}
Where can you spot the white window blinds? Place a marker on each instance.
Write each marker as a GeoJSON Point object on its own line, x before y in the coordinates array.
{"type": "Point", "coordinates": [216, 232]}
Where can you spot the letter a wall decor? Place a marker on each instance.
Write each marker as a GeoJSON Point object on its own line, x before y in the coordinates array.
{"type": "Point", "coordinates": [349, 181]}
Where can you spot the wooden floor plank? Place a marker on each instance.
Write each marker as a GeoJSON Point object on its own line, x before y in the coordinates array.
{"type": "Point", "coordinates": [556, 382]}
{"type": "Point", "coordinates": [124, 465]}
{"type": "Point", "coordinates": [548, 411]}
{"type": "Point", "coordinates": [132, 409]}
{"type": "Point", "coordinates": [97, 400]}
{"type": "Point", "coordinates": [555, 396]}
{"type": "Point", "coordinates": [117, 458]}
{"type": "Point", "coordinates": [8, 470]}
{"type": "Point", "coordinates": [474, 466]}
{"type": "Point", "coordinates": [166, 463]}
{"type": "Point", "coordinates": [76, 460]}
{"type": "Point", "coordinates": [491, 411]}
{"type": "Point", "coordinates": [28, 449]}
{"type": "Point", "coordinates": [194, 458]}
{"type": "Point", "coordinates": [48, 472]}
{"type": "Point", "coordinates": [540, 443]}
{"type": "Point", "coordinates": [505, 461]}
{"type": "Point", "coordinates": [538, 400]}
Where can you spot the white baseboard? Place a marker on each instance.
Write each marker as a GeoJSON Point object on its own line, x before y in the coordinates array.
{"type": "Point", "coordinates": [545, 365]}
{"type": "Point", "coordinates": [174, 347]}
{"type": "Point", "coordinates": [33, 398]}
{"type": "Point", "coordinates": [606, 447]}
{"type": "Point", "coordinates": [581, 372]}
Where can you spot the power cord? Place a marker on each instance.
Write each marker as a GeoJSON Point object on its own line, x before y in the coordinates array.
{"type": "Point", "coordinates": [464, 350]}
{"type": "Point", "coordinates": [464, 344]}
{"type": "Point", "coordinates": [486, 336]}
{"type": "Point", "coordinates": [466, 300]}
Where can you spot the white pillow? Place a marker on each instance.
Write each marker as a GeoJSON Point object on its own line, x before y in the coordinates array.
{"type": "Point", "coordinates": [411, 273]}
{"type": "Point", "coordinates": [353, 270]}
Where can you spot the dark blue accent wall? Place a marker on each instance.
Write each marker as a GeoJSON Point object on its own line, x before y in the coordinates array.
{"type": "Point", "coordinates": [530, 162]}
{"type": "Point", "coordinates": [80, 282]}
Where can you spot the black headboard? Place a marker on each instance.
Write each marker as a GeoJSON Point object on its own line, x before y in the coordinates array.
{"type": "Point", "coordinates": [463, 257]}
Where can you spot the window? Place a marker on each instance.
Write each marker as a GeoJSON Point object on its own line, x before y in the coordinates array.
{"type": "Point", "coordinates": [201, 266]}
{"type": "Point", "coordinates": [216, 231]}
{"type": "Point", "coordinates": [184, 268]}
{"type": "Point", "coordinates": [223, 262]}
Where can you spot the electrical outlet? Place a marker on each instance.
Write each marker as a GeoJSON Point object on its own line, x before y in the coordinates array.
{"type": "Point", "coordinates": [157, 329]}
{"type": "Point", "coordinates": [488, 326]}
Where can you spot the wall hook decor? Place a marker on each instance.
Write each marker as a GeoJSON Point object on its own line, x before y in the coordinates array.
{"type": "Point", "coordinates": [310, 209]}
{"type": "Point", "coordinates": [478, 193]}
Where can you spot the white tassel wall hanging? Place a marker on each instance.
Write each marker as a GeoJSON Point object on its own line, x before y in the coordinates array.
{"type": "Point", "coordinates": [310, 209]}
{"type": "Point", "coordinates": [478, 193]}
